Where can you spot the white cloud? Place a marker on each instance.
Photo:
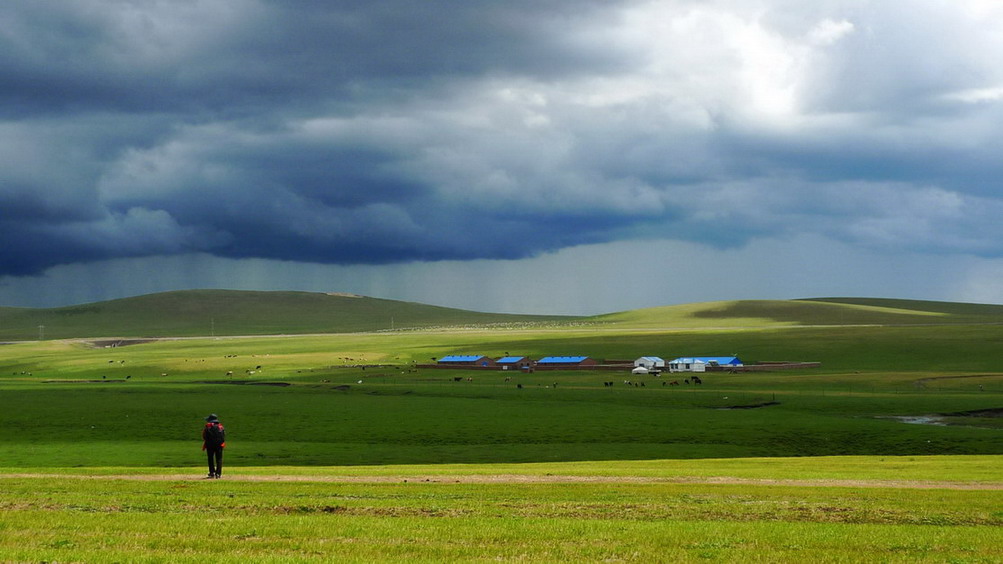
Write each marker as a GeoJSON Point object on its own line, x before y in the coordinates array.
{"type": "Point", "coordinates": [976, 95]}
{"type": "Point", "coordinates": [828, 31]}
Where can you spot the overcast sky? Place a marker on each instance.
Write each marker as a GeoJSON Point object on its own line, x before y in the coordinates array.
{"type": "Point", "coordinates": [548, 156]}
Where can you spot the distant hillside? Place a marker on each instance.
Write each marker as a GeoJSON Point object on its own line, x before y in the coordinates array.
{"type": "Point", "coordinates": [820, 311]}
{"type": "Point", "coordinates": [951, 308]}
{"type": "Point", "coordinates": [227, 312]}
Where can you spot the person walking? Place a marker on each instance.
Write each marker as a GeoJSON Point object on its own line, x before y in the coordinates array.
{"type": "Point", "coordinates": [213, 443]}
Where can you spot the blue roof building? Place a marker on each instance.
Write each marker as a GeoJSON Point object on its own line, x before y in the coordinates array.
{"type": "Point", "coordinates": [510, 359]}
{"type": "Point", "coordinates": [564, 361]}
{"type": "Point", "coordinates": [466, 360]}
{"type": "Point", "coordinates": [701, 363]}
{"type": "Point", "coordinates": [515, 362]}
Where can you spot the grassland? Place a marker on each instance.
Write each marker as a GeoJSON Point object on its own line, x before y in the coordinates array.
{"type": "Point", "coordinates": [355, 399]}
{"type": "Point", "coordinates": [829, 510]}
{"type": "Point", "coordinates": [227, 312]}
{"type": "Point", "coordinates": [342, 449]}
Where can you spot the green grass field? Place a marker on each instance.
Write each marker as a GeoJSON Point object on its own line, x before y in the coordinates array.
{"type": "Point", "coordinates": [227, 312]}
{"type": "Point", "coordinates": [888, 509]}
{"type": "Point", "coordinates": [101, 457]}
{"type": "Point", "coordinates": [80, 404]}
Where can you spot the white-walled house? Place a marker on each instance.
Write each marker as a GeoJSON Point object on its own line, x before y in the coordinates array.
{"type": "Point", "coordinates": [650, 362]}
{"type": "Point", "coordinates": [701, 363]}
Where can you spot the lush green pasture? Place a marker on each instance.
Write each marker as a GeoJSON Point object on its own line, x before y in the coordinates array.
{"type": "Point", "coordinates": [357, 398]}
{"type": "Point", "coordinates": [222, 312]}
{"type": "Point", "coordinates": [329, 438]}
{"type": "Point", "coordinates": [936, 509]}
{"type": "Point", "coordinates": [822, 311]}
{"type": "Point", "coordinates": [229, 312]}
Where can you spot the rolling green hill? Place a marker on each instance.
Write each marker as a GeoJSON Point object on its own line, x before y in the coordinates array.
{"type": "Point", "coordinates": [921, 306]}
{"type": "Point", "coordinates": [228, 312]}
{"type": "Point", "coordinates": [821, 311]}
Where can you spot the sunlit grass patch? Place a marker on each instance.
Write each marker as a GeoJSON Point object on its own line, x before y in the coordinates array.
{"type": "Point", "coordinates": [366, 515]}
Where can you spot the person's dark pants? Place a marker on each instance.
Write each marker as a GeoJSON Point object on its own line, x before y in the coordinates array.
{"type": "Point", "coordinates": [215, 456]}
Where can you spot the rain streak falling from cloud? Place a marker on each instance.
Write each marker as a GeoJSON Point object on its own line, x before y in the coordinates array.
{"type": "Point", "coordinates": [360, 134]}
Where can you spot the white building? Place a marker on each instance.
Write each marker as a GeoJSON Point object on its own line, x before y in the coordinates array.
{"type": "Point", "coordinates": [650, 362]}
{"type": "Point", "coordinates": [701, 363]}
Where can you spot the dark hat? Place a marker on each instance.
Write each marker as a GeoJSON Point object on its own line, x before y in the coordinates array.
{"type": "Point", "coordinates": [212, 417]}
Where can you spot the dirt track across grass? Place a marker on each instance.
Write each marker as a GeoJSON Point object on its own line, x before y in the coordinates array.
{"type": "Point", "coordinates": [527, 479]}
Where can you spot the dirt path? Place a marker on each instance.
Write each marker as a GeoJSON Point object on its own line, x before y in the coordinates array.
{"type": "Point", "coordinates": [528, 479]}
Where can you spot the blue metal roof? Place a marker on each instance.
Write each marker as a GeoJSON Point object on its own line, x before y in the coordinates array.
{"type": "Point", "coordinates": [461, 358]}
{"type": "Point", "coordinates": [510, 359]}
{"type": "Point", "coordinates": [561, 360]}
{"type": "Point", "coordinates": [722, 360]}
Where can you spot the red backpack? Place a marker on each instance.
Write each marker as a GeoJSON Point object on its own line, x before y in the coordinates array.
{"type": "Point", "coordinates": [215, 436]}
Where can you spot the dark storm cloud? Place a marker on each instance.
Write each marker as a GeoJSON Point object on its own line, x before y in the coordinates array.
{"type": "Point", "coordinates": [381, 132]}
{"type": "Point", "coordinates": [236, 56]}
{"type": "Point", "coordinates": [236, 70]}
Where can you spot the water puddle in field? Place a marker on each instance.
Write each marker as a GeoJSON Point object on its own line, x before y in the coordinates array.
{"type": "Point", "coordinates": [977, 418]}
{"type": "Point", "coordinates": [918, 419]}
{"type": "Point", "coordinates": [115, 343]}
{"type": "Point", "coordinates": [753, 406]}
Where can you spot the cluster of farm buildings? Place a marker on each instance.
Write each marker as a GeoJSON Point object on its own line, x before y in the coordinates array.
{"type": "Point", "coordinates": [641, 365]}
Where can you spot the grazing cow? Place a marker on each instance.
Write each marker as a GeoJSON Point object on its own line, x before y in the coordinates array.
{"type": "Point", "coordinates": [687, 381]}
{"type": "Point", "coordinates": [518, 386]}
{"type": "Point", "coordinates": [458, 378]}
{"type": "Point", "coordinates": [674, 383]}
{"type": "Point", "coordinates": [697, 380]}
